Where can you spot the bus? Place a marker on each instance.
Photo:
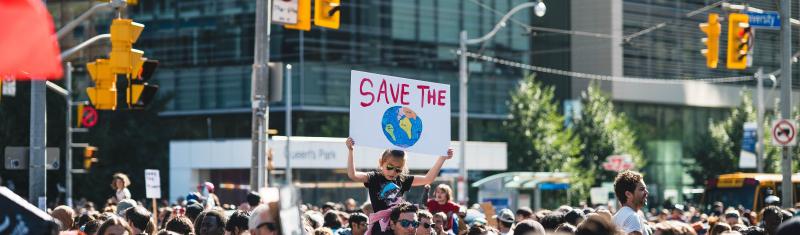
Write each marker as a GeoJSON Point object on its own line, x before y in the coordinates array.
{"type": "Point", "coordinates": [746, 189]}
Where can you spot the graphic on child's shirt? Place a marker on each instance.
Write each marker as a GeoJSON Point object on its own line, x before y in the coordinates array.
{"type": "Point", "coordinates": [389, 193]}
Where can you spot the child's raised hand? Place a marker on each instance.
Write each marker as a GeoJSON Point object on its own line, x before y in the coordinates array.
{"type": "Point", "coordinates": [350, 142]}
{"type": "Point", "coordinates": [449, 154]}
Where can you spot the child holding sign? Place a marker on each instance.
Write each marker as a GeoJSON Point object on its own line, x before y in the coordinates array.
{"type": "Point", "coordinates": [387, 185]}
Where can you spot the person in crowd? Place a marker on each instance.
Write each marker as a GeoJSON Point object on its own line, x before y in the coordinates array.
{"type": "Point", "coordinates": [597, 224]}
{"type": "Point", "coordinates": [120, 184]}
{"type": "Point", "coordinates": [358, 224]}
{"type": "Point", "coordinates": [212, 222]}
{"type": "Point", "coordinates": [180, 224]}
{"type": "Point", "coordinates": [84, 218]}
{"type": "Point", "coordinates": [753, 230]}
{"type": "Point", "coordinates": [566, 229]}
{"type": "Point", "coordinates": [332, 220]}
{"type": "Point", "coordinates": [139, 220]}
{"type": "Point", "coordinates": [425, 223]}
{"type": "Point", "coordinates": [350, 206]}
{"type": "Point", "coordinates": [323, 231]}
{"type": "Point", "coordinates": [125, 204]}
{"type": "Point", "coordinates": [574, 217]}
{"type": "Point", "coordinates": [206, 190]}
{"type": "Point", "coordinates": [772, 218]}
{"type": "Point", "coordinates": [403, 219]}
{"type": "Point", "coordinates": [529, 227]}
{"type": "Point", "coordinates": [552, 220]}
{"type": "Point", "coordinates": [164, 214]}
{"type": "Point", "coordinates": [439, 219]}
{"type": "Point", "coordinates": [789, 227]}
{"type": "Point", "coordinates": [253, 199]}
{"type": "Point", "coordinates": [91, 226]}
{"type": "Point", "coordinates": [193, 211]}
{"type": "Point", "coordinates": [524, 213]}
{"type": "Point", "coordinates": [481, 229]}
{"type": "Point", "coordinates": [265, 220]}
{"type": "Point", "coordinates": [237, 223]}
{"type": "Point", "coordinates": [443, 202]}
{"type": "Point", "coordinates": [732, 217]}
{"type": "Point", "coordinates": [328, 206]}
{"type": "Point", "coordinates": [115, 226]}
{"type": "Point", "coordinates": [367, 208]}
{"type": "Point", "coordinates": [719, 227]}
{"type": "Point", "coordinates": [632, 193]}
{"type": "Point", "coordinates": [387, 186]}
{"type": "Point", "coordinates": [505, 219]}
{"type": "Point", "coordinates": [65, 216]}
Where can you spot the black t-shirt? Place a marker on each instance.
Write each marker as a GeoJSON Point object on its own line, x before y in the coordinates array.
{"type": "Point", "coordinates": [384, 193]}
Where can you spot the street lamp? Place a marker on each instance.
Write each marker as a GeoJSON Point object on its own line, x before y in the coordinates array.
{"type": "Point", "coordinates": [539, 9]}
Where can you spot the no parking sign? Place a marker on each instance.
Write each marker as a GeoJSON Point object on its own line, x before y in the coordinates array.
{"type": "Point", "coordinates": [784, 132]}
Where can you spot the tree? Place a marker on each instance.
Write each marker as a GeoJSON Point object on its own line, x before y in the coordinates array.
{"type": "Point", "coordinates": [718, 151]}
{"type": "Point", "coordinates": [602, 132]}
{"type": "Point", "coordinates": [536, 135]}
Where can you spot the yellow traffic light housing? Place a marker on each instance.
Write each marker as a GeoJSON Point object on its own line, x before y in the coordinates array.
{"type": "Point", "coordinates": [738, 40]}
{"type": "Point", "coordinates": [89, 157]}
{"type": "Point", "coordinates": [104, 94]}
{"type": "Point", "coordinates": [303, 16]}
{"type": "Point", "coordinates": [712, 30]}
{"type": "Point", "coordinates": [140, 93]}
{"type": "Point", "coordinates": [125, 59]}
{"type": "Point", "coordinates": [326, 13]}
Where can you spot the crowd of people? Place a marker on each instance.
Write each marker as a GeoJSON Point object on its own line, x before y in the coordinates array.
{"type": "Point", "coordinates": [388, 212]}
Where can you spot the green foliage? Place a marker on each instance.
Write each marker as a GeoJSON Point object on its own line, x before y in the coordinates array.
{"type": "Point", "coordinates": [536, 138]}
{"type": "Point", "coordinates": [718, 152]}
{"type": "Point", "coordinates": [602, 132]}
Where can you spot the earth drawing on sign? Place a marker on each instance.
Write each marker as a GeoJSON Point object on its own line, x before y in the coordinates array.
{"type": "Point", "coordinates": [401, 126]}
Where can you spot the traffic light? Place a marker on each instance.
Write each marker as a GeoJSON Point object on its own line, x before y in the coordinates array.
{"type": "Point", "coordinates": [89, 157]}
{"type": "Point", "coordinates": [326, 13]}
{"type": "Point", "coordinates": [303, 16]}
{"type": "Point", "coordinates": [140, 92]}
{"type": "Point", "coordinates": [738, 40]}
{"type": "Point", "coordinates": [125, 59]}
{"type": "Point", "coordinates": [104, 94]}
{"type": "Point", "coordinates": [712, 30]}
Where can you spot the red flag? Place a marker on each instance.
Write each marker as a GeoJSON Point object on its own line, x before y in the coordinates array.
{"type": "Point", "coordinates": [28, 43]}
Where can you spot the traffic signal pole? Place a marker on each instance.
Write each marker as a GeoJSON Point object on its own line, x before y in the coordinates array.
{"type": "Point", "coordinates": [786, 98]}
{"type": "Point", "coordinates": [259, 83]}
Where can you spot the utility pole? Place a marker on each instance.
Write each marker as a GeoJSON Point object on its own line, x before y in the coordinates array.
{"type": "Point", "coordinates": [786, 98]}
{"type": "Point", "coordinates": [37, 175]}
{"type": "Point", "coordinates": [259, 90]}
{"type": "Point", "coordinates": [288, 124]}
{"type": "Point", "coordinates": [760, 121]}
{"type": "Point", "coordinates": [68, 137]}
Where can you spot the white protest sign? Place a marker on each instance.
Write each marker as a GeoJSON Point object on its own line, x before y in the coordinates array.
{"type": "Point", "coordinates": [284, 11]}
{"type": "Point", "coordinates": [152, 182]}
{"type": "Point", "coordinates": [399, 113]}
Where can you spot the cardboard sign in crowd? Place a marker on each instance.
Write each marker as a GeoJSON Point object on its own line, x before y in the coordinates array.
{"type": "Point", "coordinates": [399, 113]}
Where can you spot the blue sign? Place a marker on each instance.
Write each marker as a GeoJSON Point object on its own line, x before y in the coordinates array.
{"type": "Point", "coordinates": [766, 20]}
{"type": "Point", "coordinates": [747, 156]}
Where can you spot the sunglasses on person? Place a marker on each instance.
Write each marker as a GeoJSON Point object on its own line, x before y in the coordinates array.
{"type": "Point", "coordinates": [394, 168]}
{"type": "Point", "coordinates": [270, 225]}
{"type": "Point", "coordinates": [428, 225]}
{"type": "Point", "coordinates": [406, 223]}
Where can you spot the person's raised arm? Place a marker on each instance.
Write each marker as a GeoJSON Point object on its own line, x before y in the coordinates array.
{"type": "Point", "coordinates": [351, 168]}
{"type": "Point", "coordinates": [433, 172]}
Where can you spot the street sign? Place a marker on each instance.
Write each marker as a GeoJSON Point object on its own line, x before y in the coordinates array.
{"type": "Point", "coordinates": [89, 116]}
{"type": "Point", "coordinates": [618, 163]}
{"type": "Point", "coordinates": [747, 156]}
{"type": "Point", "coordinates": [284, 11]}
{"type": "Point", "coordinates": [152, 182]}
{"type": "Point", "coordinates": [766, 20]}
{"type": "Point", "coordinates": [784, 132]}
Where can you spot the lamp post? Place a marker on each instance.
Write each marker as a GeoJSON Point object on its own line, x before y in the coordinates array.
{"type": "Point", "coordinates": [462, 88]}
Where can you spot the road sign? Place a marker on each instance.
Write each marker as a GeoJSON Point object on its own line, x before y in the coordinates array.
{"type": "Point", "coordinates": [784, 132]}
{"type": "Point", "coordinates": [152, 182]}
{"type": "Point", "coordinates": [747, 156]}
{"type": "Point", "coordinates": [618, 163]}
{"type": "Point", "coordinates": [16, 158]}
{"type": "Point", "coordinates": [284, 11]}
{"type": "Point", "coordinates": [89, 117]}
{"type": "Point", "coordinates": [766, 20]}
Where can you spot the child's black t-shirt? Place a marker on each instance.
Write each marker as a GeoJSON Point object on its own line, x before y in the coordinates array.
{"type": "Point", "coordinates": [384, 193]}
